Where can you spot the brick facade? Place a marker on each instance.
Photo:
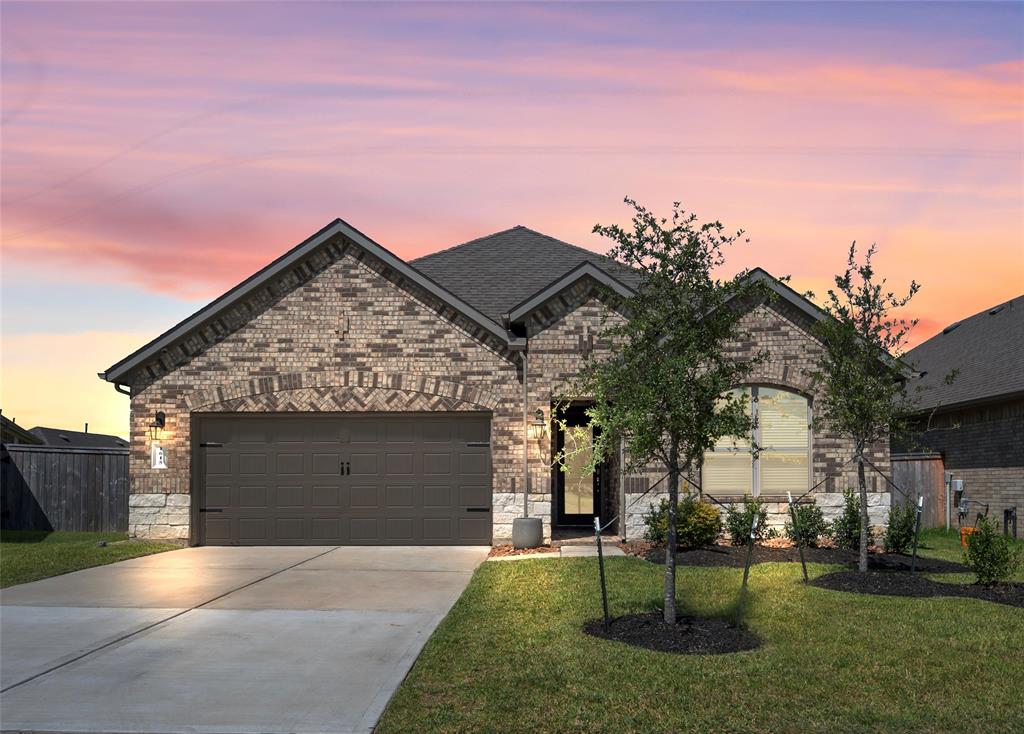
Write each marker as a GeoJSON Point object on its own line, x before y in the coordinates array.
{"type": "Point", "coordinates": [340, 332]}
{"type": "Point", "coordinates": [983, 445]}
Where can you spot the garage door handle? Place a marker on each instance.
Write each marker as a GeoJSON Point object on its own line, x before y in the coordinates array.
{"type": "Point", "coordinates": [211, 509]}
{"type": "Point", "coordinates": [478, 509]}
{"type": "Point", "coordinates": [346, 468]}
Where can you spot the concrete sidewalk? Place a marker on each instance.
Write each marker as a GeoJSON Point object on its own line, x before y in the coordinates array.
{"type": "Point", "coordinates": [224, 639]}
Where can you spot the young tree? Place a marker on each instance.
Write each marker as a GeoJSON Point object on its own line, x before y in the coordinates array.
{"type": "Point", "coordinates": [663, 391]}
{"type": "Point", "coordinates": [862, 379]}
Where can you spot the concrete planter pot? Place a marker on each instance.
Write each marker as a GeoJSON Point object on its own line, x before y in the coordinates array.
{"type": "Point", "coordinates": [527, 532]}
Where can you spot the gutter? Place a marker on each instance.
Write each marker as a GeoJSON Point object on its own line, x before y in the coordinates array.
{"type": "Point", "coordinates": [120, 387]}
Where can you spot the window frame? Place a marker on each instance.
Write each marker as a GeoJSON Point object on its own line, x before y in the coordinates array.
{"type": "Point", "coordinates": [755, 449]}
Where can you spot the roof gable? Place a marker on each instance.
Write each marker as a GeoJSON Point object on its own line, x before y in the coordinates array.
{"type": "Point", "coordinates": [293, 268]}
{"type": "Point", "coordinates": [498, 272]}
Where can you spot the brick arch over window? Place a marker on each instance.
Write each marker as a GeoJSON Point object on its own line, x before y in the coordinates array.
{"type": "Point", "coordinates": [350, 390]}
{"type": "Point", "coordinates": [784, 376]}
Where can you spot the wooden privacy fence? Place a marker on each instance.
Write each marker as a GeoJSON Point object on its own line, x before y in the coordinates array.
{"type": "Point", "coordinates": [60, 488]}
{"type": "Point", "coordinates": [921, 474]}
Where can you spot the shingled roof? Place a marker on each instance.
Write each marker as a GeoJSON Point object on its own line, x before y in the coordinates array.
{"type": "Point", "coordinates": [77, 439]}
{"type": "Point", "coordinates": [483, 280]}
{"type": "Point", "coordinates": [987, 349]}
{"type": "Point", "coordinates": [498, 272]}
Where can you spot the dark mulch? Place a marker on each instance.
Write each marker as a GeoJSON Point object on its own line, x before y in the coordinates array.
{"type": "Point", "coordinates": [499, 551]}
{"type": "Point", "coordinates": [886, 583]}
{"type": "Point", "coordinates": [689, 636]}
{"type": "Point", "coordinates": [726, 555]}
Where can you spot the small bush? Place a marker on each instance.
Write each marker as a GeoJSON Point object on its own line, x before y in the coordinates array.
{"type": "Point", "coordinates": [992, 556]}
{"type": "Point", "coordinates": [846, 527]}
{"type": "Point", "coordinates": [812, 525]}
{"type": "Point", "coordinates": [899, 533]}
{"type": "Point", "coordinates": [697, 523]}
{"type": "Point", "coordinates": [739, 518]}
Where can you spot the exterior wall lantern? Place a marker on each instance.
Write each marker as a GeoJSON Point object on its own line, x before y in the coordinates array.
{"type": "Point", "coordinates": [156, 428]}
{"type": "Point", "coordinates": [538, 426]}
{"type": "Point", "coordinates": [158, 454]}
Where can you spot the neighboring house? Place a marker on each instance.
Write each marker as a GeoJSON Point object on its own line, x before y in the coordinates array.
{"type": "Point", "coordinates": [342, 395]}
{"type": "Point", "coordinates": [11, 432]}
{"type": "Point", "coordinates": [976, 421]}
{"type": "Point", "coordinates": [77, 439]}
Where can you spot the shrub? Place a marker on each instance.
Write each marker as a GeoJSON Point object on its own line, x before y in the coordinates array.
{"type": "Point", "coordinates": [738, 521]}
{"type": "Point", "coordinates": [992, 556]}
{"type": "Point", "coordinates": [697, 523]}
{"type": "Point", "coordinates": [899, 533]}
{"type": "Point", "coordinates": [846, 527]}
{"type": "Point", "coordinates": [811, 522]}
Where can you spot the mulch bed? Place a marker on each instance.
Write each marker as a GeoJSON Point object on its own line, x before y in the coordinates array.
{"type": "Point", "coordinates": [885, 583]}
{"type": "Point", "coordinates": [507, 550]}
{"type": "Point", "coordinates": [689, 636]}
{"type": "Point", "coordinates": [727, 555]}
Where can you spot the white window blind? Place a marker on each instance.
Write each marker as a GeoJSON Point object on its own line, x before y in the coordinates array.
{"type": "Point", "coordinates": [782, 435]}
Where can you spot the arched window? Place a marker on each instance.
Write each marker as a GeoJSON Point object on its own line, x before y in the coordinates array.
{"type": "Point", "coordinates": [782, 433]}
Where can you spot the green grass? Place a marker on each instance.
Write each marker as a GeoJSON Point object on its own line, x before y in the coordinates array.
{"type": "Point", "coordinates": [30, 555]}
{"type": "Point", "coordinates": [511, 656]}
{"type": "Point", "coordinates": [938, 543]}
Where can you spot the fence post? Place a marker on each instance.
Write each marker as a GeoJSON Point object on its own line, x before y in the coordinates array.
{"type": "Point", "coordinates": [600, 565]}
{"type": "Point", "coordinates": [798, 534]}
{"type": "Point", "coordinates": [917, 533]}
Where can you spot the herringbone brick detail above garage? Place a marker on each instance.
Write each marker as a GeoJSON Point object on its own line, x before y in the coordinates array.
{"type": "Point", "coordinates": [361, 381]}
{"type": "Point", "coordinates": [345, 399]}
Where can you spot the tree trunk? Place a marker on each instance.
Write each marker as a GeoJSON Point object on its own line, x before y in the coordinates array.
{"type": "Point", "coordinates": [862, 561]}
{"type": "Point", "coordinates": [670, 545]}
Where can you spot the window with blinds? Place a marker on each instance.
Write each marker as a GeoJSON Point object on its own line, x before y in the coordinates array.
{"type": "Point", "coordinates": [782, 422]}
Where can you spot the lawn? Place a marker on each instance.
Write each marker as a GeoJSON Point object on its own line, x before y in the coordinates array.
{"type": "Point", "coordinates": [946, 545]}
{"type": "Point", "coordinates": [31, 555]}
{"type": "Point", "coordinates": [511, 657]}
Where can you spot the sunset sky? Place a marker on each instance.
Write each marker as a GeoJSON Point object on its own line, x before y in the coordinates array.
{"type": "Point", "coordinates": [154, 154]}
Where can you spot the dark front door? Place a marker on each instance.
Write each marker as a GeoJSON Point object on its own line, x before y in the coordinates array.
{"type": "Point", "coordinates": [578, 488]}
{"type": "Point", "coordinates": [345, 479]}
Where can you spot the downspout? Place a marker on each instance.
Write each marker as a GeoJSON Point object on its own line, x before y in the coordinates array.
{"type": "Point", "coordinates": [526, 437]}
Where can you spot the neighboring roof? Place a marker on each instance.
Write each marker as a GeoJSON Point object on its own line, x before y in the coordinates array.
{"type": "Point", "coordinates": [77, 439]}
{"type": "Point", "coordinates": [11, 432]}
{"type": "Point", "coordinates": [987, 349]}
{"type": "Point", "coordinates": [498, 272]}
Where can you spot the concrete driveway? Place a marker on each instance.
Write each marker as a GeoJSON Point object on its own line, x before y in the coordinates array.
{"type": "Point", "coordinates": [224, 640]}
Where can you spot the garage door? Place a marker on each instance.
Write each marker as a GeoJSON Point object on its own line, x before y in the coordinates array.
{"type": "Point", "coordinates": [344, 479]}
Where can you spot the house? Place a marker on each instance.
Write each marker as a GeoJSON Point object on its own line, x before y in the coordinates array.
{"type": "Point", "coordinates": [342, 395]}
{"type": "Point", "coordinates": [76, 439]}
{"type": "Point", "coordinates": [11, 432]}
{"type": "Point", "coordinates": [976, 421]}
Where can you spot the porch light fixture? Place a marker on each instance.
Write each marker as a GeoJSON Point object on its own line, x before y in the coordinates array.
{"type": "Point", "coordinates": [158, 455]}
{"type": "Point", "coordinates": [157, 426]}
{"type": "Point", "coordinates": [538, 426]}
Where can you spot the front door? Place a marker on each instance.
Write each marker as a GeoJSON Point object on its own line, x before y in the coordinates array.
{"type": "Point", "coordinates": [578, 488]}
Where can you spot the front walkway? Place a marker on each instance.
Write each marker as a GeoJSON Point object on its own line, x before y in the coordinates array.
{"type": "Point", "coordinates": [218, 640]}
